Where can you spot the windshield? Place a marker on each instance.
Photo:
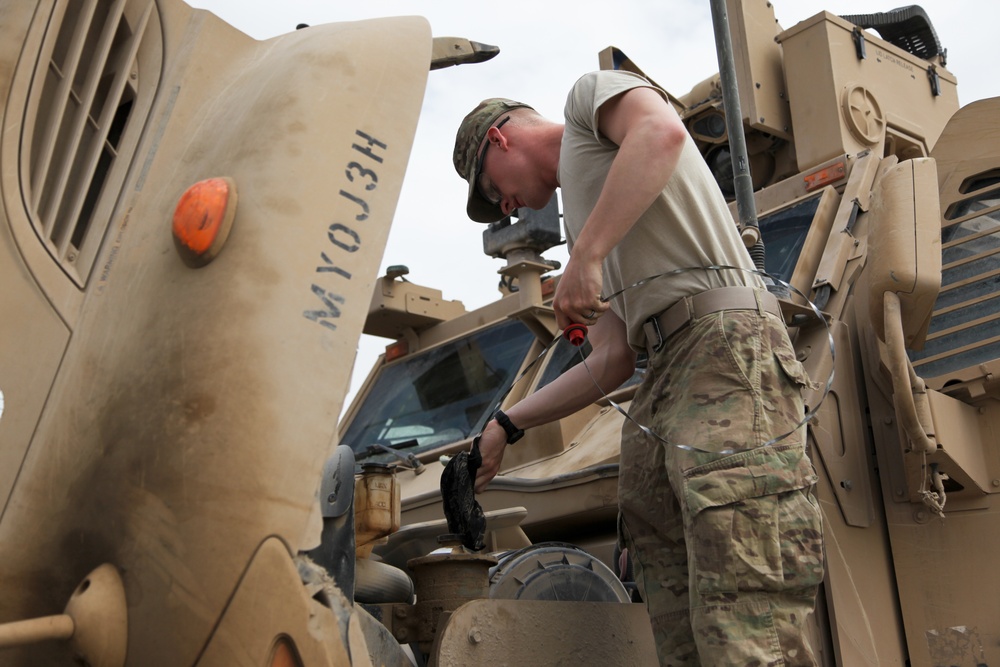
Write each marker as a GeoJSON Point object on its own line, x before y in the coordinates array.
{"type": "Point", "coordinates": [438, 396]}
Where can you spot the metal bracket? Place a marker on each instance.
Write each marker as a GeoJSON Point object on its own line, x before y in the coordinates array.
{"type": "Point", "coordinates": [935, 80]}
{"type": "Point", "coordinates": [859, 43]}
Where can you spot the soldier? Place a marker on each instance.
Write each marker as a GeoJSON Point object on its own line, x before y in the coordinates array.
{"type": "Point", "coordinates": [719, 520]}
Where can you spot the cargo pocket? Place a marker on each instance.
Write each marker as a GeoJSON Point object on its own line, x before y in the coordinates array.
{"type": "Point", "coordinates": [785, 355]}
{"type": "Point", "coordinates": [782, 383]}
{"type": "Point", "coordinates": [753, 523]}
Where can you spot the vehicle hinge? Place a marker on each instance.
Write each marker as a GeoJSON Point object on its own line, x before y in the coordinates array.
{"type": "Point", "coordinates": [859, 43]}
{"type": "Point", "coordinates": [855, 209]}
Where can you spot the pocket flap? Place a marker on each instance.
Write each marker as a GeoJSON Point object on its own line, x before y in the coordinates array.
{"type": "Point", "coordinates": [793, 368]}
{"type": "Point", "coordinates": [760, 472]}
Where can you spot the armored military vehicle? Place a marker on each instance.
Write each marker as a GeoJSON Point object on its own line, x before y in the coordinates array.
{"type": "Point", "coordinates": [181, 309]}
{"type": "Point", "coordinates": [877, 200]}
{"type": "Point", "coordinates": [182, 298]}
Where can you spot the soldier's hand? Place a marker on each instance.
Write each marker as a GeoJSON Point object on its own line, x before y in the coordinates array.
{"type": "Point", "coordinates": [578, 295]}
{"type": "Point", "coordinates": [492, 445]}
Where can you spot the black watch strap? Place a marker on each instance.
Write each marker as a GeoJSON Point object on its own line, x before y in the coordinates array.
{"type": "Point", "coordinates": [513, 433]}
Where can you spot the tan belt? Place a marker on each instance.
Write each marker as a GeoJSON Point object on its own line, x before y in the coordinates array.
{"type": "Point", "coordinates": [660, 327]}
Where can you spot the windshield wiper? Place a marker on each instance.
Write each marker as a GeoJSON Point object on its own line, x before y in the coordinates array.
{"type": "Point", "coordinates": [410, 459]}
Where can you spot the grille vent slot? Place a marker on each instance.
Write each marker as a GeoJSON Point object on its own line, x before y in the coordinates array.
{"type": "Point", "coordinates": [80, 138]}
{"type": "Point", "coordinates": [965, 326]}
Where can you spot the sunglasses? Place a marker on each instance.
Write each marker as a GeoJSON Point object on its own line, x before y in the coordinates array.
{"type": "Point", "coordinates": [487, 189]}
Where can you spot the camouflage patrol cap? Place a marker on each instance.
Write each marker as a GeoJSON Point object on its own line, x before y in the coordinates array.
{"type": "Point", "coordinates": [466, 157]}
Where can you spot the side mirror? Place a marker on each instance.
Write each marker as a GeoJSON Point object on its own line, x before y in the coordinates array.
{"type": "Point", "coordinates": [904, 258]}
{"type": "Point", "coordinates": [904, 248]}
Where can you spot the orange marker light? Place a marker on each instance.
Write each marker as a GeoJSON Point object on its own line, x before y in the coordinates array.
{"type": "Point", "coordinates": [825, 176]}
{"type": "Point", "coordinates": [548, 287]}
{"type": "Point", "coordinates": [394, 351]}
{"type": "Point", "coordinates": [202, 220]}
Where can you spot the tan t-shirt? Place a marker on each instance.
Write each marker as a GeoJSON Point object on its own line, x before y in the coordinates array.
{"type": "Point", "coordinates": [689, 224]}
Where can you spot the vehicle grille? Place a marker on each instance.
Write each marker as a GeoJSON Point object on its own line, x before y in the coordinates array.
{"type": "Point", "coordinates": [81, 126]}
{"type": "Point", "coordinates": [965, 327]}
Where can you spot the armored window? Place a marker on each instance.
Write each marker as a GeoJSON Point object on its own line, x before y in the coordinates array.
{"type": "Point", "coordinates": [784, 235]}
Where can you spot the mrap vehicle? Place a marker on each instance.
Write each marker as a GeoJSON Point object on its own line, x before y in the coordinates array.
{"type": "Point", "coordinates": [181, 307]}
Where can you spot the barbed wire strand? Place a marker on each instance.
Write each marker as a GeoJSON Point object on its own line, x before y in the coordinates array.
{"type": "Point", "coordinates": [809, 415]}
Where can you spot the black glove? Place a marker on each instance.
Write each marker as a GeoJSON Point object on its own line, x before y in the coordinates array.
{"type": "Point", "coordinates": [458, 492]}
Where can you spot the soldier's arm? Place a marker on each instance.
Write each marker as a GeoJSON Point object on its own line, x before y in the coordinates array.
{"type": "Point", "coordinates": [611, 363]}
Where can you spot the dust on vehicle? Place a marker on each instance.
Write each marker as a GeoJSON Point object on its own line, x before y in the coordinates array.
{"type": "Point", "coordinates": [176, 486]}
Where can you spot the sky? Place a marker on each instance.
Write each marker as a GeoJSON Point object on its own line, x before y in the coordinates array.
{"type": "Point", "coordinates": [544, 47]}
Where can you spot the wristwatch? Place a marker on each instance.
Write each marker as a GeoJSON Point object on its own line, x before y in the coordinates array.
{"type": "Point", "coordinates": [513, 433]}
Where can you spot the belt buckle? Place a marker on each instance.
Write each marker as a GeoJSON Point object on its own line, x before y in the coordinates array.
{"type": "Point", "coordinates": [655, 321]}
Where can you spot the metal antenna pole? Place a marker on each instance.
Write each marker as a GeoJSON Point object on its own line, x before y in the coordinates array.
{"type": "Point", "coordinates": [747, 210]}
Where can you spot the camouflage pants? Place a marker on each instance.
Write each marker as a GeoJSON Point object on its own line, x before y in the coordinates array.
{"type": "Point", "coordinates": [727, 548]}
